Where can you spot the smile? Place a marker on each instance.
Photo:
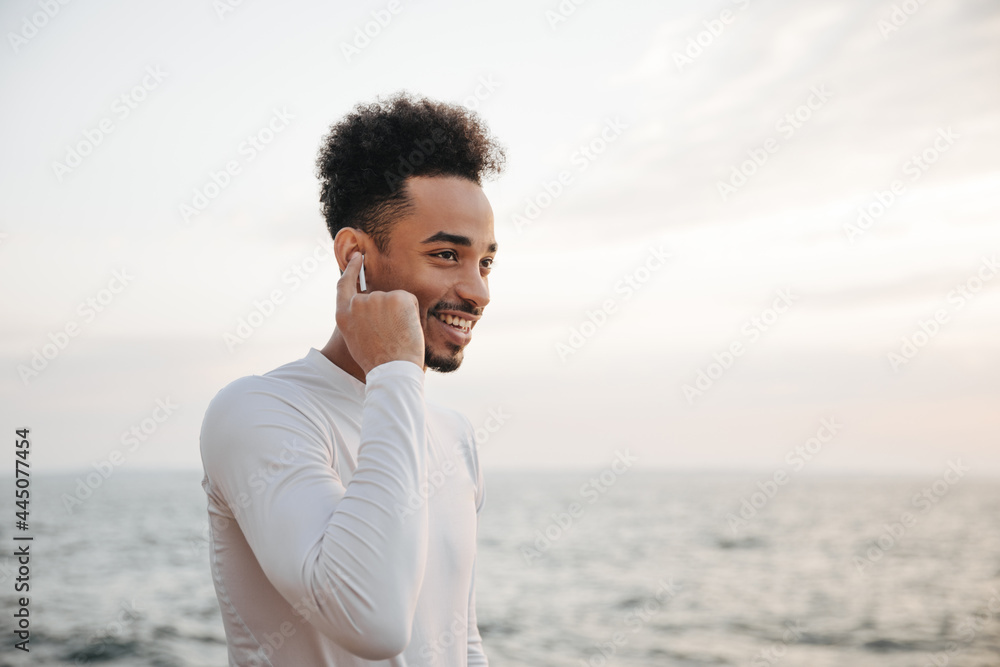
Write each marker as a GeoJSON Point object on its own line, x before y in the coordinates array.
{"type": "Point", "coordinates": [456, 322]}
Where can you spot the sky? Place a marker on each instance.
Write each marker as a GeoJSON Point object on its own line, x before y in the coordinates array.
{"type": "Point", "coordinates": [729, 231]}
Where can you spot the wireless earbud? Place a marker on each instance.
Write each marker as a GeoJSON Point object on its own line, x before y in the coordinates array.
{"type": "Point", "coordinates": [362, 276]}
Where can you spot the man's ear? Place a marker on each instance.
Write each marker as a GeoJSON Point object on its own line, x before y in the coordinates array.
{"type": "Point", "coordinates": [346, 242]}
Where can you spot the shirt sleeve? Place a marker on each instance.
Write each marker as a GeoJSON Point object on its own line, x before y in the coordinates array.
{"type": "Point", "coordinates": [476, 654]}
{"type": "Point", "coordinates": [477, 657]}
{"type": "Point", "coordinates": [342, 552]}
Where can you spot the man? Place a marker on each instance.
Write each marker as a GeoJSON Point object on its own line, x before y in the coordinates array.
{"type": "Point", "coordinates": [343, 507]}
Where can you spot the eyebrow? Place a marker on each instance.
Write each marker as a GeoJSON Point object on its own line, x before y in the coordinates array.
{"type": "Point", "coordinates": [457, 239]}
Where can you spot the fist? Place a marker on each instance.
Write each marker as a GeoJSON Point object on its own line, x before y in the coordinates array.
{"type": "Point", "coordinates": [379, 326]}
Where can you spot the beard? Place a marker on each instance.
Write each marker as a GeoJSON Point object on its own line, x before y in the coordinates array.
{"type": "Point", "coordinates": [443, 364]}
{"type": "Point", "coordinates": [450, 361]}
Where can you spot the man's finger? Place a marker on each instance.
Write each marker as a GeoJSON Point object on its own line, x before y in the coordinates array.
{"type": "Point", "coordinates": [347, 285]}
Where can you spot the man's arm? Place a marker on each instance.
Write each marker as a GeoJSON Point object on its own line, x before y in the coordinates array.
{"type": "Point", "coordinates": [341, 556]}
{"type": "Point", "coordinates": [477, 657]}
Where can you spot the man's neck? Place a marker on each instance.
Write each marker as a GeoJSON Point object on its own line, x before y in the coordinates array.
{"type": "Point", "coordinates": [337, 352]}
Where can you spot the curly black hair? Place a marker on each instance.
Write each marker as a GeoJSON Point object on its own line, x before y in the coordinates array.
{"type": "Point", "coordinates": [365, 159]}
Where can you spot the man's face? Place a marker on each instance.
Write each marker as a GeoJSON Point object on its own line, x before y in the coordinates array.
{"type": "Point", "coordinates": [441, 252]}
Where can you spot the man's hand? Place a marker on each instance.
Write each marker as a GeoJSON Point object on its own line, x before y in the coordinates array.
{"type": "Point", "coordinates": [380, 326]}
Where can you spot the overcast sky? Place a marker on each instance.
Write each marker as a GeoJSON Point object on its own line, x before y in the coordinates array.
{"type": "Point", "coordinates": [822, 177]}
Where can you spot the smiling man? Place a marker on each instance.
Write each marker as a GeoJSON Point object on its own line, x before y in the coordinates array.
{"type": "Point", "coordinates": [344, 507]}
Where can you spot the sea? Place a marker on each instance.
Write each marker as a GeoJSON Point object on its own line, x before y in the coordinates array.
{"type": "Point", "coordinates": [575, 568]}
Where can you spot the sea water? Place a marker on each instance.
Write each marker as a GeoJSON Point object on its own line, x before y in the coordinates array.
{"type": "Point", "coordinates": [654, 568]}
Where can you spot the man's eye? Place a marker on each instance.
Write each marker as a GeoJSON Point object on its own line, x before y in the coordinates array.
{"type": "Point", "coordinates": [446, 252]}
{"type": "Point", "coordinates": [488, 263]}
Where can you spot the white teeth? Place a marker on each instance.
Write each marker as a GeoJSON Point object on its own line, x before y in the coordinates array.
{"type": "Point", "coordinates": [456, 322]}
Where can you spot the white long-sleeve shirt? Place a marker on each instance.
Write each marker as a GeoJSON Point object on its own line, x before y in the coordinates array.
{"type": "Point", "coordinates": [343, 518]}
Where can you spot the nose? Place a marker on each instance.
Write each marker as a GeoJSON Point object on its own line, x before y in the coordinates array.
{"type": "Point", "coordinates": [474, 288]}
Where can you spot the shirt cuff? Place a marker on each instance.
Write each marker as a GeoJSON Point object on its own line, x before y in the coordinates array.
{"type": "Point", "coordinates": [395, 368]}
